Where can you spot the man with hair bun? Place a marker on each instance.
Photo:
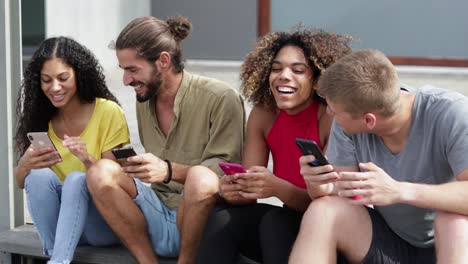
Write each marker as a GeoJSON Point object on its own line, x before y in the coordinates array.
{"type": "Point", "coordinates": [187, 125]}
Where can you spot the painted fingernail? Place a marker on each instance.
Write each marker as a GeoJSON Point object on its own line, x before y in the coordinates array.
{"type": "Point", "coordinates": [357, 197]}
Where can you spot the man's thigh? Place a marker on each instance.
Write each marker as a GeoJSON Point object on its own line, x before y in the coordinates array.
{"type": "Point", "coordinates": [388, 248]}
{"type": "Point", "coordinates": [161, 221]}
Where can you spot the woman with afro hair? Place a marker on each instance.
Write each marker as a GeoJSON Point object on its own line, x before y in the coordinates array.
{"type": "Point", "coordinates": [279, 78]}
{"type": "Point", "coordinates": [64, 94]}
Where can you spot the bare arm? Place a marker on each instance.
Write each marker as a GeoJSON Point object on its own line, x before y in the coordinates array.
{"type": "Point", "coordinates": [451, 197]}
{"type": "Point", "coordinates": [34, 158]}
{"type": "Point", "coordinates": [378, 188]}
{"type": "Point", "coordinates": [255, 153]}
{"type": "Point", "coordinates": [260, 182]}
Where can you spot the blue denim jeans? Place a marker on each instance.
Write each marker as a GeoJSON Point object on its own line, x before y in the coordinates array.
{"type": "Point", "coordinates": [64, 214]}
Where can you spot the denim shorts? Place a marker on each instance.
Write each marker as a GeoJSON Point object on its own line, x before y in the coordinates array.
{"type": "Point", "coordinates": [161, 221]}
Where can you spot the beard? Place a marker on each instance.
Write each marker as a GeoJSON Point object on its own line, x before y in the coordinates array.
{"type": "Point", "coordinates": [153, 87]}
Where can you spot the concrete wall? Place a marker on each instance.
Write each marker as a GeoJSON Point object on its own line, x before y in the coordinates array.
{"type": "Point", "coordinates": [416, 28]}
{"type": "Point", "coordinates": [93, 23]}
{"type": "Point", "coordinates": [222, 30]}
{"type": "Point", "coordinates": [11, 210]}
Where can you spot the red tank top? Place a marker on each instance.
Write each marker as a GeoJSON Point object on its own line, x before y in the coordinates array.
{"type": "Point", "coordinates": [281, 137]}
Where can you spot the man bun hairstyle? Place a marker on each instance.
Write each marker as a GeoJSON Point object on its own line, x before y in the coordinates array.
{"type": "Point", "coordinates": [150, 36]}
{"type": "Point", "coordinates": [180, 27]}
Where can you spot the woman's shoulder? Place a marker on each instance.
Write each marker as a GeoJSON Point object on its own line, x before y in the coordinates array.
{"type": "Point", "coordinates": [106, 104]}
{"type": "Point", "coordinates": [262, 117]}
{"type": "Point", "coordinates": [263, 112]}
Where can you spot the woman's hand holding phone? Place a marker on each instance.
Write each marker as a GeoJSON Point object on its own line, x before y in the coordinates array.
{"type": "Point", "coordinates": [40, 154]}
{"type": "Point", "coordinates": [258, 183]}
{"type": "Point", "coordinates": [37, 158]}
{"type": "Point", "coordinates": [229, 188]}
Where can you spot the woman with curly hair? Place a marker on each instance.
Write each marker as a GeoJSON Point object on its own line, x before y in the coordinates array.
{"type": "Point", "coordinates": [64, 94]}
{"type": "Point", "coordinates": [279, 78]}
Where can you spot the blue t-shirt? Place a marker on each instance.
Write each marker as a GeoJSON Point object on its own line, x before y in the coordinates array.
{"type": "Point", "coordinates": [436, 151]}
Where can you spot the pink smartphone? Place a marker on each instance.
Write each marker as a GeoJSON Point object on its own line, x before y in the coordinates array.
{"type": "Point", "coordinates": [231, 168]}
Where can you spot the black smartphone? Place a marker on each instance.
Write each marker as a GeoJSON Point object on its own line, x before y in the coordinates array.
{"type": "Point", "coordinates": [310, 147]}
{"type": "Point", "coordinates": [121, 154]}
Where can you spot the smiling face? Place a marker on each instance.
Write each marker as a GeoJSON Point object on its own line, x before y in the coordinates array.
{"type": "Point", "coordinates": [140, 74]}
{"type": "Point", "coordinates": [291, 80]}
{"type": "Point", "coordinates": [58, 82]}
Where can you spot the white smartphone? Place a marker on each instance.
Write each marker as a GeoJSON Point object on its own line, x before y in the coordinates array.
{"type": "Point", "coordinates": [40, 139]}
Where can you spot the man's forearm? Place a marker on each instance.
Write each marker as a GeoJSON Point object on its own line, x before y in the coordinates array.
{"type": "Point", "coordinates": [451, 197]}
{"type": "Point", "coordinates": [179, 172]}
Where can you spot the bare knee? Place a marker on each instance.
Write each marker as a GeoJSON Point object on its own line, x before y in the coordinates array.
{"type": "Point", "coordinates": [201, 181]}
{"type": "Point", "coordinates": [336, 213]}
{"type": "Point", "coordinates": [102, 174]}
{"type": "Point", "coordinates": [450, 226]}
{"type": "Point", "coordinates": [329, 207]}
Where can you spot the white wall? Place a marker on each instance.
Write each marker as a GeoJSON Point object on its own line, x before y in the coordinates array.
{"type": "Point", "coordinates": [11, 211]}
{"type": "Point", "coordinates": [93, 23]}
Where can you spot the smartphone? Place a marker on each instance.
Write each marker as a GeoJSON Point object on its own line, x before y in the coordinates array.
{"type": "Point", "coordinates": [121, 154]}
{"type": "Point", "coordinates": [231, 168]}
{"type": "Point", "coordinates": [310, 147]}
{"type": "Point", "coordinates": [41, 139]}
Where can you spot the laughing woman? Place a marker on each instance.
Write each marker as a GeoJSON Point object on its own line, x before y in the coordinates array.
{"type": "Point", "coordinates": [279, 77]}
{"type": "Point", "coordinates": [64, 93]}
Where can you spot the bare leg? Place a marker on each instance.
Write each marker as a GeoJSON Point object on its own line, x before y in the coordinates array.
{"type": "Point", "coordinates": [451, 236]}
{"type": "Point", "coordinates": [113, 194]}
{"type": "Point", "coordinates": [200, 195]}
{"type": "Point", "coordinates": [331, 224]}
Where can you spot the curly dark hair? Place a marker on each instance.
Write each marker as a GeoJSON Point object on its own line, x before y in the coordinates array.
{"type": "Point", "coordinates": [321, 49]}
{"type": "Point", "coordinates": [34, 110]}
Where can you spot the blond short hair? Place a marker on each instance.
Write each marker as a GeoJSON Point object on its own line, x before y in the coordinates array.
{"type": "Point", "coordinates": [363, 81]}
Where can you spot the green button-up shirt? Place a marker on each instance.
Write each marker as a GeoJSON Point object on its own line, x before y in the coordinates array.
{"type": "Point", "coordinates": [208, 127]}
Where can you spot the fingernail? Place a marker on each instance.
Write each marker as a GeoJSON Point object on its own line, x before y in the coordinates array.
{"type": "Point", "coordinates": [358, 197]}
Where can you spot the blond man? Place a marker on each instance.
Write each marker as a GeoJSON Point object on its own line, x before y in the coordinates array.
{"type": "Point", "coordinates": [400, 149]}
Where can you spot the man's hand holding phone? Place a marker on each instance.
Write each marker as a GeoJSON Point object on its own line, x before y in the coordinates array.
{"type": "Point", "coordinates": [146, 167]}
{"type": "Point", "coordinates": [318, 174]}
